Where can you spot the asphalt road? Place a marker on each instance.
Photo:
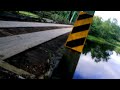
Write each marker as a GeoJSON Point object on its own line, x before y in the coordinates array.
{"type": "Point", "coordinates": [12, 45]}
{"type": "Point", "coordinates": [8, 24]}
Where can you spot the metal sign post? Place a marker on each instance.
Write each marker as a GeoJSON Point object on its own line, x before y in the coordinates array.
{"type": "Point", "coordinates": [74, 46]}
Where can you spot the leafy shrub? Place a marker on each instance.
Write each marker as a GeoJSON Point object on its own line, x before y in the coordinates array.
{"type": "Point", "coordinates": [59, 19]}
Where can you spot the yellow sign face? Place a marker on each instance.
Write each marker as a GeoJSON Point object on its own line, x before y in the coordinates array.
{"type": "Point", "coordinates": [77, 37]}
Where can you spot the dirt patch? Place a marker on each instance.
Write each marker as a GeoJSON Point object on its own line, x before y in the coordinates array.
{"type": "Point", "coordinates": [38, 60]}
{"type": "Point", "coordinates": [23, 30]}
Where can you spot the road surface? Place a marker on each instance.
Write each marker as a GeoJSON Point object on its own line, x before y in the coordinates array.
{"type": "Point", "coordinates": [8, 24]}
{"type": "Point", "coordinates": [12, 45]}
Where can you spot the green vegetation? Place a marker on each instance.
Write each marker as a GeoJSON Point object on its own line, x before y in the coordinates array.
{"type": "Point", "coordinates": [96, 39]}
{"type": "Point", "coordinates": [29, 14]}
{"type": "Point", "coordinates": [100, 40]}
{"type": "Point", "coordinates": [107, 32]}
{"type": "Point", "coordinates": [103, 38]}
{"type": "Point", "coordinates": [62, 17]}
{"type": "Point", "coordinates": [57, 16]}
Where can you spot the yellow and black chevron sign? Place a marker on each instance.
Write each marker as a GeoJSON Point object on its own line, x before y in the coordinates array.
{"type": "Point", "coordinates": [77, 37]}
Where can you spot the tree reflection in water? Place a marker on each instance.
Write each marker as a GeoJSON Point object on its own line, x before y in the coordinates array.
{"type": "Point", "coordinates": [99, 51]}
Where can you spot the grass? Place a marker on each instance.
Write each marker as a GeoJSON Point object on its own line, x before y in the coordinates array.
{"type": "Point", "coordinates": [97, 39]}
{"type": "Point", "coordinates": [101, 40]}
{"type": "Point", "coordinates": [29, 14]}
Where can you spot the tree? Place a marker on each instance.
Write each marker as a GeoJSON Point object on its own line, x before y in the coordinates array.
{"type": "Point", "coordinates": [115, 21]}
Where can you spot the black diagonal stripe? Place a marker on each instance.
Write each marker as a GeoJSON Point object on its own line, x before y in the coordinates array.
{"type": "Point", "coordinates": [84, 16]}
{"type": "Point", "coordinates": [80, 28]}
{"type": "Point", "coordinates": [76, 42]}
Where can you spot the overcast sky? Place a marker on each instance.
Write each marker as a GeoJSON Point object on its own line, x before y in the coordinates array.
{"type": "Point", "coordinates": [109, 14]}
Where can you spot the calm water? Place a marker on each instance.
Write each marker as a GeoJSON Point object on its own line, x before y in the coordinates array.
{"type": "Point", "coordinates": [98, 62]}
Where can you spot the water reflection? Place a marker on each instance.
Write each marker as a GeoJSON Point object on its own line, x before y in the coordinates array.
{"type": "Point", "coordinates": [88, 69]}
{"type": "Point", "coordinates": [99, 51]}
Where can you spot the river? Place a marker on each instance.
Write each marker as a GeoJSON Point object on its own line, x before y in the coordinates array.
{"type": "Point", "coordinates": [98, 61]}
